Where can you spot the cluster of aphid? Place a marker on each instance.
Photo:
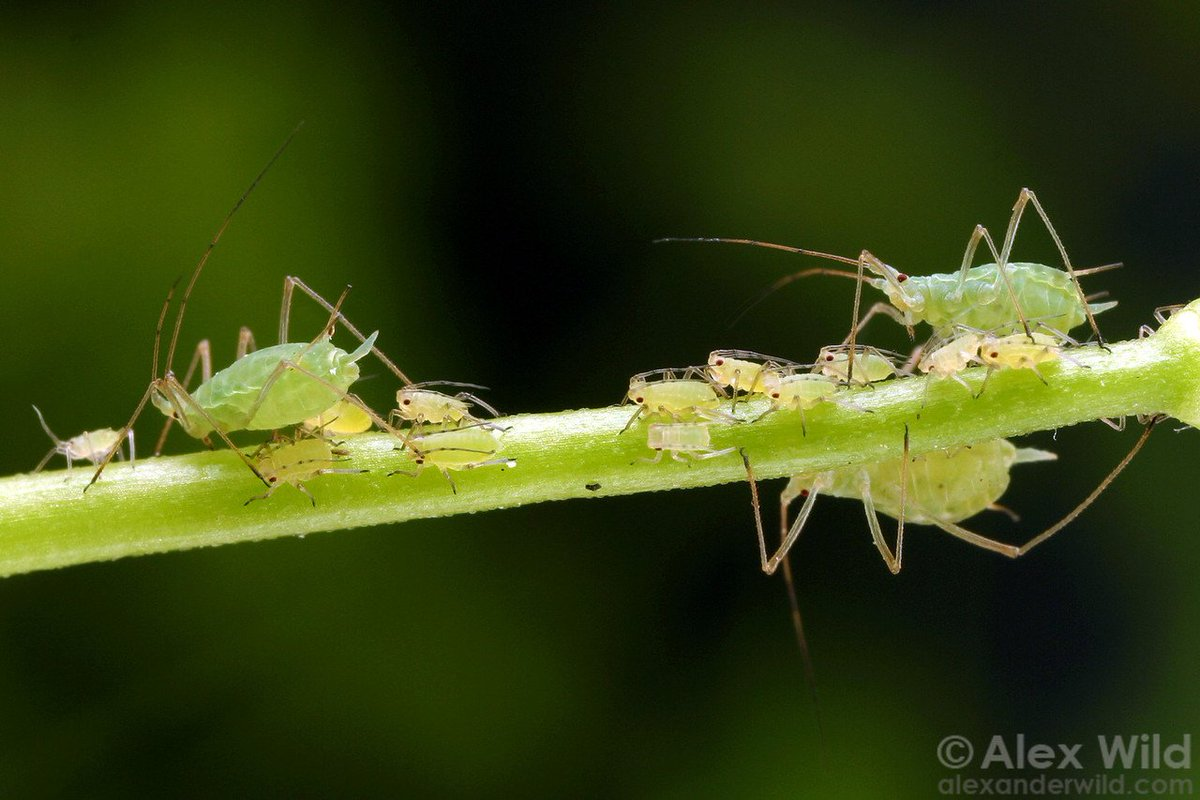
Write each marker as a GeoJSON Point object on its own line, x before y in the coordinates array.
{"type": "Point", "coordinates": [300, 393]}
{"type": "Point", "coordinates": [1003, 315]}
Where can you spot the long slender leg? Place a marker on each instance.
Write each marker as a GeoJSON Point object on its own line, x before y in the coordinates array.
{"type": "Point", "coordinates": [246, 343]}
{"type": "Point", "coordinates": [892, 561]}
{"type": "Point", "coordinates": [769, 565]}
{"type": "Point", "coordinates": [291, 282]}
{"type": "Point", "coordinates": [1025, 197]}
{"type": "Point", "coordinates": [1002, 276]}
{"type": "Point", "coordinates": [137, 412]}
{"type": "Point", "coordinates": [1091, 498]}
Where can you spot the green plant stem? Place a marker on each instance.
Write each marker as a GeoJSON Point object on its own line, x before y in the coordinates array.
{"type": "Point", "coordinates": [178, 502]}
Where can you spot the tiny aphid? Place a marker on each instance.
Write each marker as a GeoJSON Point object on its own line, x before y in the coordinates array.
{"type": "Point", "coordinates": [468, 447]}
{"type": "Point", "coordinates": [870, 364]}
{"type": "Point", "coordinates": [293, 461]}
{"type": "Point", "coordinates": [940, 488]}
{"type": "Point", "coordinates": [342, 419]}
{"type": "Point", "coordinates": [420, 405]}
{"type": "Point", "coordinates": [800, 391]}
{"type": "Point", "coordinates": [265, 390]}
{"type": "Point", "coordinates": [1020, 351]}
{"type": "Point", "coordinates": [88, 446]}
{"type": "Point", "coordinates": [943, 359]}
{"type": "Point", "coordinates": [742, 371]}
{"type": "Point", "coordinates": [659, 394]}
{"type": "Point", "coordinates": [680, 439]}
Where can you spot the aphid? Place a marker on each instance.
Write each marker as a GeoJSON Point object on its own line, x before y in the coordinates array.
{"type": "Point", "coordinates": [870, 364]}
{"type": "Point", "coordinates": [940, 488]}
{"type": "Point", "coordinates": [659, 393]}
{"type": "Point", "coordinates": [265, 390]}
{"type": "Point", "coordinates": [1019, 351]}
{"type": "Point", "coordinates": [293, 461]}
{"type": "Point", "coordinates": [691, 439]}
{"type": "Point", "coordinates": [420, 405]}
{"type": "Point", "coordinates": [800, 391]}
{"type": "Point", "coordinates": [998, 297]}
{"type": "Point", "coordinates": [343, 419]}
{"type": "Point", "coordinates": [946, 359]}
{"type": "Point", "coordinates": [468, 447]}
{"type": "Point", "coordinates": [89, 445]}
{"type": "Point", "coordinates": [742, 371]}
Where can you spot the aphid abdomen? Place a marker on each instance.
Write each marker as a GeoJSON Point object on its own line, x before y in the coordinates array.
{"type": "Point", "coordinates": [230, 395]}
{"type": "Point", "coordinates": [1047, 297]}
{"type": "Point", "coordinates": [948, 485]}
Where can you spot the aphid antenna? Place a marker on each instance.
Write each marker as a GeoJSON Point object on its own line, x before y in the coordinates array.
{"type": "Point", "coordinates": [212, 245]}
{"type": "Point", "coordinates": [423, 384]}
{"type": "Point", "coordinates": [1101, 268]}
{"type": "Point", "coordinates": [46, 428]}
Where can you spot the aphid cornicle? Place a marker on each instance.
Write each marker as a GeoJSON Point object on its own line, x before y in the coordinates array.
{"type": "Point", "coordinates": [680, 439]}
{"type": "Point", "coordinates": [659, 394]}
{"type": "Point", "coordinates": [293, 461]}
{"type": "Point", "coordinates": [87, 446]}
{"type": "Point", "coordinates": [265, 390]}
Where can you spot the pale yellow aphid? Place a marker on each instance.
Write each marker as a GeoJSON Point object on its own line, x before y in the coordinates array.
{"type": "Point", "coordinates": [419, 405]}
{"type": "Point", "coordinates": [90, 446]}
{"type": "Point", "coordinates": [742, 370]}
{"type": "Point", "coordinates": [691, 439]}
{"type": "Point", "coordinates": [950, 358]}
{"type": "Point", "coordinates": [293, 461]}
{"type": "Point", "coordinates": [659, 394]}
{"type": "Point", "coordinates": [343, 419]}
{"type": "Point", "coordinates": [870, 364]}
{"type": "Point", "coordinates": [468, 447]}
{"type": "Point", "coordinates": [799, 391]}
{"type": "Point", "coordinates": [1020, 351]}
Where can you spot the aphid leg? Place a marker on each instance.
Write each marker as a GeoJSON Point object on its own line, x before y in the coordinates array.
{"type": "Point", "coordinates": [892, 561]}
{"type": "Point", "coordinates": [886, 309]}
{"type": "Point", "coordinates": [291, 282]}
{"type": "Point", "coordinates": [245, 343]}
{"type": "Point", "coordinates": [1117, 424]}
{"type": "Point", "coordinates": [769, 565]}
{"type": "Point", "coordinates": [203, 357]}
{"type": "Point", "coordinates": [793, 603]}
{"type": "Point", "coordinates": [262, 496]}
{"type": "Point", "coordinates": [475, 400]}
{"type": "Point", "coordinates": [1025, 197]}
{"type": "Point", "coordinates": [986, 377]}
{"type": "Point", "coordinates": [657, 458]}
{"type": "Point", "coordinates": [177, 391]}
{"type": "Point", "coordinates": [977, 540]}
{"type": "Point", "coordinates": [1002, 276]}
{"type": "Point", "coordinates": [712, 454]}
{"type": "Point", "coordinates": [636, 414]}
{"type": "Point", "coordinates": [58, 443]}
{"type": "Point", "coordinates": [122, 434]}
{"type": "Point", "coordinates": [349, 397]}
{"type": "Point", "coordinates": [1091, 498]}
{"type": "Point", "coordinates": [1005, 510]}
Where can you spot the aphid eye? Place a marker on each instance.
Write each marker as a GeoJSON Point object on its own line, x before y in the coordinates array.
{"type": "Point", "coordinates": [829, 358]}
{"type": "Point", "coordinates": [418, 461]}
{"type": "Point", "coordinates": [804, 492]}
{"type": "Point", "coordinates": [995, 354]}
{"type": "Point", "coordinates": [407, 401]}
{"type": "Point", "coordinates": [272, 479]}
{"type": "Point", "coordinates": [901, 277]}
{"type": "Point", "coordinates": [720, 362]}
{"type": "Point", "coordinates": [774, 395]}
{"type": "Point", "coordinates": [639, 399]}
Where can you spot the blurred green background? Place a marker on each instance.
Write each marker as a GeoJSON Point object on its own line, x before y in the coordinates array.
{"type": "Point", "coordinates": [490, 179]}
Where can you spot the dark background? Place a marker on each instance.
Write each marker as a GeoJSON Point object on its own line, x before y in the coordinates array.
{"type": "Point", "coordinates": [491, 179]}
